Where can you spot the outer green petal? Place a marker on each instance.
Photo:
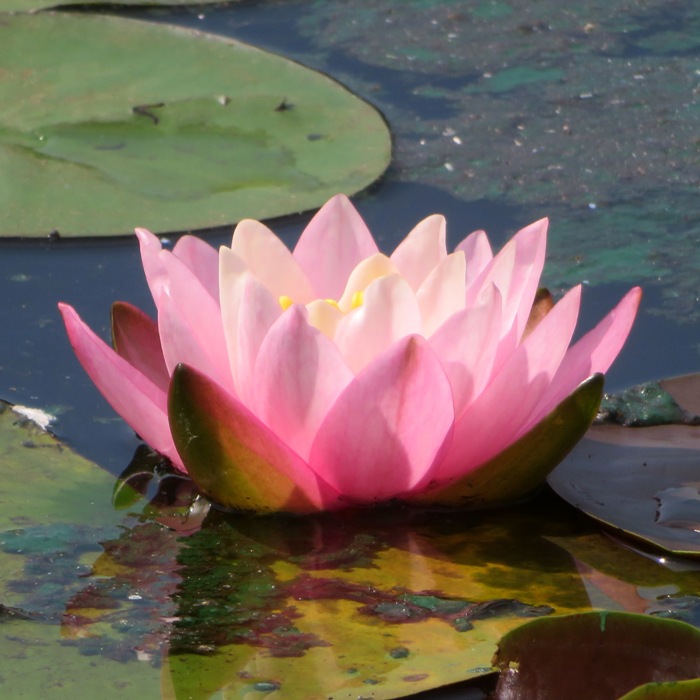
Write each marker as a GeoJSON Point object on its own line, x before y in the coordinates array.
{"type": "Point", "coordinates": [234, 458]}
{"type": "Point", "coordinates": [521, 468]}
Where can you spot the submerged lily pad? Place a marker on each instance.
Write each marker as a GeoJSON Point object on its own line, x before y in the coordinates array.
{"type": "Point", "coordinates": [643, 482]}
{"type": "Point", "coordinates": [211, 132]}
{"type": "Point", "coordinates": [594, 655]}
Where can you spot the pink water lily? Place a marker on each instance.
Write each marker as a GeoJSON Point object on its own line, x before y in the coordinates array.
{"type": "Point", "coordinates": [335, 375]}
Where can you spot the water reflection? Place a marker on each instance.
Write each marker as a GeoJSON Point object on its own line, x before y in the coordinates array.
{"type": "Point", "coordinates": [382, 603]}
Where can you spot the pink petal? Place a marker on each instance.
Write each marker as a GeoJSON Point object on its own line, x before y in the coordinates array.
{"type": "Point", "coordinates": [442, 293]}
{"type": "Point", "coordinates": [516, 271]}
{"type": "Point", "coordinates": [135, 338]}
{"type": "Point", "coordinates": [248, 311]}
{"type": "Point", "coordinates": [389, 312]}
{"type": "Point", "coordinates": [299, 374]}
{"type": "Point", "coordinates": [202, 259]}
{"type": "Point", "coordinates": [495, 418]}
{"type": "Point", "coordinates": [233, 457]}
{"type": "Point", "coordinates": [422, 250]}
{"type": "Point", "coordinates": [132, 395]}
{"type": "Point", "coordinates": [466, 345]}
{"type": "Point", "coordinates": [593, 353]}
{"type": "Point", "coordinates": [477, 251]}
{"type": "Point", "coordinates": [180, 342]}
{"type": "Point", "coordinates": [271, 261]}
{"type": "Point", "coordinates": [189, 320]}
{"type": "Point", "coordinates": [153, 267]}
{"type": "Point", "coordinates": [332, 245]}
{"type": "Point", "coordinates": [385, 431]}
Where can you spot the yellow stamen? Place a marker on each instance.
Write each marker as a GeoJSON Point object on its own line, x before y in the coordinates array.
{"type": "Point", "coordinates": [333, 303]}
{"type": "Point", "coordinates": [357, 299]}
{"type": "Point", "coordinates": [285, 302]}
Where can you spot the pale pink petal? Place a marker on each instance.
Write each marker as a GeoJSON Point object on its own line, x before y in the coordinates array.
{"type": "Point", "coordinates": [466, 345]}
{"type": "Point", "coordinates": [516, 271]}
{"type": "Point", "coordinates": [477, 251]}
{"type": "Point", "coordinates": [199, 315]}
{"type": "Point", "coordinates": [363, 275]}
{"type": "Point", "coordinates": [594, 352]}
{"type": "Point", "coordinates": [385, 431]}
{"type": "Point", "coordinates": [389, 312]}
{"type": "Point", "coordinates": [202, 259]}
{"type": "Point", "coordinates": [156, 274]}
{"type": "Point", "coordinates": [422, 250]}
{"type": "Point", "coordinates": [132, 395]}
{"type": "Point", "coordinates": [248, 310]}
{"type": "Point", "coordinates": [442, 293]}
{"type": "Point", "coordinates": [493, 420]}
{"type": "Point", "coordinates": [271, 261]}
{"type": "Point", "coordinates": [332, 245]}
{"type": "Point", "coordinates": [299, 374]}
{"type": "Point", "coordinates": [324, 316]}
{"type": "Point", "coordinates": [180, 343]}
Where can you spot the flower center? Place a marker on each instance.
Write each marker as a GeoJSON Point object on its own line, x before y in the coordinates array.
{"type": "Point", "coordinates": [357, 300]}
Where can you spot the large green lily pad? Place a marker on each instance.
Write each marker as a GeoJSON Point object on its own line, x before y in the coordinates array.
{"type": "Point", "coordinates": [109, 123]}
{"type": "Point", "coordinates": [640, 473]}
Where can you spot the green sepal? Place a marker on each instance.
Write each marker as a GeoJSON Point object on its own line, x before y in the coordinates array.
{"type": "Point", "coordinates": [521, 468]}
{"type": "Point", "coordinates": [233, 458]}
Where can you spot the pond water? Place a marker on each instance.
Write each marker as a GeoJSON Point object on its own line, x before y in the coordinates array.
{"type": "Point", "coordinates": [501, 113]}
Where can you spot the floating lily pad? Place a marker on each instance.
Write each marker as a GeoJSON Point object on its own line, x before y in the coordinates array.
{"type": "Point", "coordinates": [594, 655]}
{"type": "Point", "coordinates": [110, 123]}
{"type": "Point", "coordinates": [54, 510]}
{"type": "Point", "coordinates": [644, 482]}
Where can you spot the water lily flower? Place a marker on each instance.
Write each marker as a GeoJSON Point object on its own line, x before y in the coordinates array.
{"type": "Point", "coordinates": [335, 375]}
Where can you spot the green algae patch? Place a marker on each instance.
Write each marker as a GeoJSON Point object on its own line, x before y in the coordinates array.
{"type": "Point", "coordinates": [212, 132]}
{"type": "Point", "coordinates": [516, 77]}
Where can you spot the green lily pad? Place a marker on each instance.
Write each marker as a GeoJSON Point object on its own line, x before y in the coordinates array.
{"type": "Point", "coordinates": [54, 510]}
{"type": "Point", "coordinates": [594, 655]}
{"type": "Point", "coordinates": [643, 482]}
{"type": "Point", "coordinates": [211, 132]}
{"type": "Point", "coordinates": [42, 481]}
